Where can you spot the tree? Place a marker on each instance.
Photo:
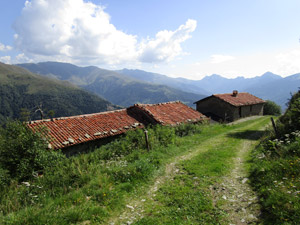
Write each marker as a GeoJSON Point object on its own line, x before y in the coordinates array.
{"type": "Point", "coordinates": [24, 115]}
{"type": "Point", "coordinates": [51, 114]}
{"type": "Point", "coordinates": [271, 108]}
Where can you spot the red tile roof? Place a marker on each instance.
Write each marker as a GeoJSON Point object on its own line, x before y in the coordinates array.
{"type": "Point", "coordinates": [68, 131]}
{"type": "Point", "coordinates": [170, 113]}
{"type": "Point", "coordinates": [240, 99]}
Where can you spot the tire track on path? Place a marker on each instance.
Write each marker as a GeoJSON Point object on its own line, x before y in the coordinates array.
{"type": "Point", "coordinates": [135, 207]}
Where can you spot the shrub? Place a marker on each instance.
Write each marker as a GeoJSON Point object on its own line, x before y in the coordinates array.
{"type": "Point", "coordinates": [275, 169]}
{"type": "Point", "coordinates": [187, 129]}
{"type": "Point", "coordinates": [291, 119]}
{"type": "Point", "coordinates": [271, 108]}
{"type": "Point", "coordinates": [4, 178]}
{"type": "Point", "coordinates": [22, 152]}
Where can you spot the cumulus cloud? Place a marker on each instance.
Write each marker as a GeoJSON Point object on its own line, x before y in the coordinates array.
{"type": "Point", "coordinates": [166, 45]}
{"type": "Point", "coordinates": [22, 58]}
{"type": "Point", "coordinates": [79, 31]}
{"type": "Point", "coordinates": [288, 62]}
{"type": "Point", "coordinates": [221, 58]}
{"type": "Point", "coordinates": [5, 47]}
{"type": "Point", "coordinates": [5, 59]}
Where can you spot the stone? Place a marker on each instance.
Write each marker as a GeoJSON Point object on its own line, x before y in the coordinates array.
{"type": "Point", "coordinates": [244, 180]}
{"type": "Point", "coordinates": [130, 207]}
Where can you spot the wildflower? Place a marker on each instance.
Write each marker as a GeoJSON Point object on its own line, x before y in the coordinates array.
{"type": "Point", "coordinates": [27, 184]}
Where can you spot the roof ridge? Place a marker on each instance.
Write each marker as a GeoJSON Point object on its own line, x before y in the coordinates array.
{"type": "Point", "coordinates": [231, 93]}
{"type": "Point", "coordinates": [162, 103]}
{"type": "Point", "coordinates": [77, 116]}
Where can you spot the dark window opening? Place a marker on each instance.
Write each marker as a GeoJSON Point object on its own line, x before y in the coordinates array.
{"type": "Point", "coordinates": [240, 111]}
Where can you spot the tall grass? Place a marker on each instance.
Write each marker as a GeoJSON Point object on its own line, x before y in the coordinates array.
{"type": "Point", "coordinates": [275, 169]}
{"type": "Point", "coordinates": [91, 186]}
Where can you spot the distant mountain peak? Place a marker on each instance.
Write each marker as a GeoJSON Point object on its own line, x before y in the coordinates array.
{"type": "Point", "coordinates": [270, 74]}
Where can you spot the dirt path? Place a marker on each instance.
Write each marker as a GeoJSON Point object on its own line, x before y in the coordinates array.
{"type": "Point", "coordinates": [237, 197]}
{"type": "Point", "coordinates": [234, 194]}
{"type": "Point", "coordinates": [134, 208]}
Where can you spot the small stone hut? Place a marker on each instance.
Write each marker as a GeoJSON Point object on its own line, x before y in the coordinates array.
{"type": "Point", "coordinates": [231, 106]}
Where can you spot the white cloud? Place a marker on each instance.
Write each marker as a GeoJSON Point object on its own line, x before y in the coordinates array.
{"type": "Point", "coordinates": [166, 46]}
{"type": "Point", "coordinates": [81, 32]}
{"type": "Point", "coordinates": [5, 47]}
{"type": "Point", "coordinates": [283, 62]}
{"type": "Point", "coordinates": [5, 59]}
{"type": "Point", "coordinates": [221, 58]}
{"type": "Point", "coordinates": [21, 58]}
{"type": "Point", "coordinates": [288, 62]}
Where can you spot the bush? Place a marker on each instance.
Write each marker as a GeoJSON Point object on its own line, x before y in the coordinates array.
{"type": "Point", "coordinates": [290, 121]}
{"type": "Point", "coordinates": [187, 129]}
{"type": "Point", "coordinates": [4, 178]}
{"type": "Point", "coordinates": [271, 108]}
{"type": "Point", "coordinates": [275, 169]}
{"type": "Point", "coordinates": [22, 152]}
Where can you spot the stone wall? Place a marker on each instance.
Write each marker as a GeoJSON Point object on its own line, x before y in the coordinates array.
{"type": "Point", "coordinates": [217, 107]}
{"type": "Point", "coordinates": [226, 111]}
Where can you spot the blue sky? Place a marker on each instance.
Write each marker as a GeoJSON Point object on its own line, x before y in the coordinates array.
{"type": "Point", "coordinates": [191, 38]}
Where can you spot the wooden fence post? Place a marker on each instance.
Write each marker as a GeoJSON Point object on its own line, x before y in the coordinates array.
{"type": "Point", "coordinates": [147, 139]}
{"type": "Point", "coordinates": [275, 128]}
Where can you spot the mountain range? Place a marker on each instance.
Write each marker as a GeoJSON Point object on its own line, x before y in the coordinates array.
{"type": "Point", "coordinates": [21, 90]}
{"type": "Point", "coordinates": [268, 86]}
{"type": "Point", "coordinates": [126, 87]}
{"type": "Point", "coordinates": [115, 87]}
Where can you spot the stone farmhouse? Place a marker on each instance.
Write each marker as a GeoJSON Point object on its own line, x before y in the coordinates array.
{"type": "Point", "coordinates": [79, 133]}
{"type": "Point", "coordinates": [230, 107]}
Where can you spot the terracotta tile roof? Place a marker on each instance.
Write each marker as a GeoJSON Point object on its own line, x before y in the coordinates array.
{"type": "Point", "coordinates": [170, 113]}
{"type": "Point", "coordinates": [68, 131]}
{"type": "Point", "coordinates": [240, 99]}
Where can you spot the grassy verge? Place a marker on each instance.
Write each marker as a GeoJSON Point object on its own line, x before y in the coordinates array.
{"type": "Point", "coordinates": [275, 176]}
{"type": "Point", "coordinates": [93, 187]}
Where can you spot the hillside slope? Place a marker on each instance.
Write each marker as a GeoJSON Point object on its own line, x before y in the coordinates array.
{"type": "Point", "coordinates": [117, 88]}
{"type": "Point", "coordinates": [124, 183]}
{"type": "Point", "coordinates": [155, 78]}
{"type": "Point", "coordinates": [20, 88]}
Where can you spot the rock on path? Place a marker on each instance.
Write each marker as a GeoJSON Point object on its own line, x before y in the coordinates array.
{"type": "Point", "coordinates": [234, 194]}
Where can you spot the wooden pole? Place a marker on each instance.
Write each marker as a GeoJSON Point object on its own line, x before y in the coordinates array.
{"type": "Point", "coordinates": [147, 140]}
{"type": "Point", "coordinates": [274, 127]}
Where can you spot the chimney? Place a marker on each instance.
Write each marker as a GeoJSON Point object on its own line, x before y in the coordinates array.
{"type": "Point", "coordinates": [235, 93]}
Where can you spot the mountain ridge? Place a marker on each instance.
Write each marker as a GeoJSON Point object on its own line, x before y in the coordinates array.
{"type": "Point", "coordinates": [147, 86]}
{"type": "Point", "coordinates": [19, 88]}
{"type": "Point", "coordinates": [116, 88]}
{"type": "Point", "coordinates": [217, 84]}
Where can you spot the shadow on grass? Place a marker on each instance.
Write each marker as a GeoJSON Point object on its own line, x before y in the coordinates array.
{"type": "Point", "coordinates": [248, 134]}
